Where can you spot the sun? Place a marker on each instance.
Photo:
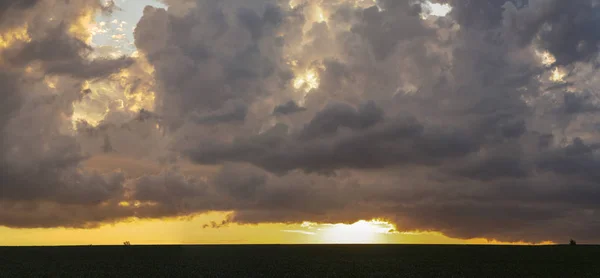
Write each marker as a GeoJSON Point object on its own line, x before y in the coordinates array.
{"type": "Point", "coordinates": [361, 232]}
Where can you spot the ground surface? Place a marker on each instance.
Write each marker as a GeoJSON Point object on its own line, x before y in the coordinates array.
{"type": "Point", "coordinates": [301, 261]}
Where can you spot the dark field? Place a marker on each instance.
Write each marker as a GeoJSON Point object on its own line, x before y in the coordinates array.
{"type": "Point", "coordinates": [301, 261]}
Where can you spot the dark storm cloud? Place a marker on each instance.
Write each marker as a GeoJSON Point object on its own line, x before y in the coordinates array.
{"type": "Point", "coordinates": [485, 14]}
{"type": "Point", "coordinates": [69, 186]}
{"type": "Point", "coordinates": [440, 124]}
{"type": "Point", "coordinates": [61, 53]}
{"type": "Point", "coordinates": [577, 160]}
{"type": "Point", "coordinates": [399, 21]}
{"type": "Point", "coordinates": [43, 14]}
{"type": "Point", "coordinates": [211, 55]}
{"type": "Point", "coordinates": [290, 107]}
{"type": "Point", "coordinates": [233, 112]}
{"type": "Point", "coordinates": [255, 24]}
{"type": "Point", "coordinates": [137, 137]}
{"type": "Point", "coordinates": [40, 164]}
{"type": "Point", "coordinates": [254, 194]}
{"type": "Point", "coordinates": [502, 161]}
{"type": "Point", "coordinates": [338, 115]}
{"type": "Point", "coordinates": [579, 103]}
{"type": "Point", "coordinates": [10, 93]}
{"type": "Point", "coordinates": [257, 196]}
{"type": "Point", "coordinates": [240, 183]}
{"type": "Point", "coordinates": [323, 145]}
{"type": "Point", "coordinates": [97, 68]}
{"type": "Point", "coordinates": [11, 10]}
{"type": "Point", "coordinates": [565, 28]}
{"type": "Point", "coordinates": [477, 159]}
{"type": "Point", "coordinates": [168, 188]}
{"type": "Point", "coordinates": [17, 4]}
{"type": "Point", "coordinates": [58, 45]}
{"type": "Point", "coordinates": [50, 215]}
{"type": "Point", "coordinates": [39, 161]}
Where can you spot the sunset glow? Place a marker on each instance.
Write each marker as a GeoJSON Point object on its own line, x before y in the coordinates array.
{"type": "Point", "coordinates": [359, 232]}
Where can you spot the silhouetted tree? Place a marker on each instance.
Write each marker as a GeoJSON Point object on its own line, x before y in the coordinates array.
{"type": "Point", "coordinates": [126, 243]}
{"type": "Point", "coordinates": [572, 242]}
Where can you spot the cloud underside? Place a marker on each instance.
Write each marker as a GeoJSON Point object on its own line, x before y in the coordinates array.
{"type": "Point", "coordinates": [480, 124]}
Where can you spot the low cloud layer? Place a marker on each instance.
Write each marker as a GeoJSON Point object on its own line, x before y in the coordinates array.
{"type": "Point", "coordinates": [480, 123]}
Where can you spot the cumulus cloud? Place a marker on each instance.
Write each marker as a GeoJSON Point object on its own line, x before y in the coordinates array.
{"type": "Point", "coordinates": [565, 29]}
{"type": "Point", "coordinates": [43, 66]}
{"type": "Point", "coordinates": [232, 51]}
{"type": "Point", "coordinates": [480, 123]}
{"type": "Point", "coordinates": [61, 53]}
{"type": "Point", "coordinates": [323, 145]}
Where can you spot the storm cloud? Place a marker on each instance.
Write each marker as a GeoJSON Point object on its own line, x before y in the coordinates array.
{"type": "Point", "coordinates": [482, 123]}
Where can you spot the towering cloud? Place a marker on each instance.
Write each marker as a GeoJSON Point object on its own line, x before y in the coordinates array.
{"type": "Point", "coordinates": [43, 64]}
{"type": "Point", "coordinates": [480, 123]}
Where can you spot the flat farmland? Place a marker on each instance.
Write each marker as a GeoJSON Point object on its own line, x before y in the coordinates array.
{"type": "Point", "coordinates": [301, 261]}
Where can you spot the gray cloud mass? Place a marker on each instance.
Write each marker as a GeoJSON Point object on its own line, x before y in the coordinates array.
{"type": "Point", "coordinates": [480, 123]}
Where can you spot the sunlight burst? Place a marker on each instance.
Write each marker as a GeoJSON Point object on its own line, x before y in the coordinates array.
{"type": "Point", "coordinates": [558, 75]}
{"type": "Point", "coordinates": [546, 58]}
{"type": "Point", "coordinates": [359, 232]}
{"type": "Point", "coordinates": [12, 36]}
{"type": "Point", "coordinates": [435, 9]}
{"type": "Point", "coordinates": [322, 17]}
{"type": "Point", "coordinates": [306, 82]}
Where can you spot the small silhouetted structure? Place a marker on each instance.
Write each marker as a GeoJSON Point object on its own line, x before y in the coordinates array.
{"type": "Point", "coordinates": [572, 242]}
{"type": "Point", "coordinates": [126, 243]}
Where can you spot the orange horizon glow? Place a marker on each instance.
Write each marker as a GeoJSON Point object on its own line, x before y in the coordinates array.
{"type": "Point", "coordinates": [184, 232]}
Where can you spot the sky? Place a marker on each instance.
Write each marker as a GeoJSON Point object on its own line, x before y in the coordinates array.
{"type": "Point", "coordinates": [299, 121]}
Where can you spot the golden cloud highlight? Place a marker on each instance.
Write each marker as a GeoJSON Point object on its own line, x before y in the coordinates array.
{"type": "Point", "coordinates": [128, 91]}
{"type": "Point", "coordinates": [83, 26]}
{"type": "Point", "coordinates": [14, 35]}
